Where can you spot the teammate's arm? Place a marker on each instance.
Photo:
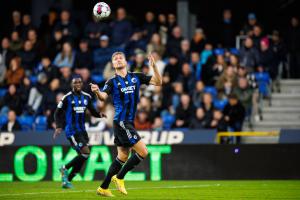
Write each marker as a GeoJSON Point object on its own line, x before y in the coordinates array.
{"type": "Point", "coordinates": [59, 116]}
{"type": "Point", "coordinates": [156, 78]}
{"type": "Point", "coordinates": [102, 95]}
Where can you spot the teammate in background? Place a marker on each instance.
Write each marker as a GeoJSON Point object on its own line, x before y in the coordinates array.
{"type": "Point", "coordinates": [71, 110]}
{"type": "Point", "coordinates": [124, 88]}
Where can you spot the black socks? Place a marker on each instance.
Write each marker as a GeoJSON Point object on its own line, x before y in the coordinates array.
{"type": "Point", "coordinates": [114, 168]}
{"type": "Point", "coordinates": [134, 160]}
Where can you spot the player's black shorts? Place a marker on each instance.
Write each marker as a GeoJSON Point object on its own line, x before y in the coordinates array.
{"type": "Point", "coordinates": [79, 140]}
{"type": "Point", "coordinates": [125, 134]}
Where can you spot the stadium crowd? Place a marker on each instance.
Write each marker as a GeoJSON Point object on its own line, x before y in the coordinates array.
{"type": "Point", "coordinates": [205, 85]}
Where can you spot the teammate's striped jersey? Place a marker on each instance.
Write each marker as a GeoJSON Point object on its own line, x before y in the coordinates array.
{"type": "Point", "coordinates": [74, 107]}
{"type": "Point", "coordinates": [125, 94]}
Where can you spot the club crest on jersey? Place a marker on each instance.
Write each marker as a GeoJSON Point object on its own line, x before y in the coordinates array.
{"type": "Point", "coordinates": [133, 80]}
{"type": "Point", "coordinates": [85, 102]}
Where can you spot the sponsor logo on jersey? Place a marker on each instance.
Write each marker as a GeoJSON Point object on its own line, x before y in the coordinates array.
{"type": "Point", "coordinates": [129, 89]}
{"type": "Point", "coordinates": [79, 109]}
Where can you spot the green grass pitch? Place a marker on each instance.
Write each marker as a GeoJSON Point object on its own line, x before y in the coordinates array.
{"type": "Point", "coordinates": [202, 190]}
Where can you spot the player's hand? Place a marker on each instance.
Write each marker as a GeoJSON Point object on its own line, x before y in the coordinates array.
{"type": "Point", "coordinates": [102, 115]}
{"type": "Point", "coordinates": [151, 60]}
{"type": "Point", "coordinates": [94, 87]}
{"type": "Point", "coordinates": [57, 132]}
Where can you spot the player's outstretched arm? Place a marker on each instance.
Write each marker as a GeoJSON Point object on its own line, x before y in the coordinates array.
{"type": "Point", "coordinates": [102, 96]}
{"type": "Point", "coordinates": [156, 78]}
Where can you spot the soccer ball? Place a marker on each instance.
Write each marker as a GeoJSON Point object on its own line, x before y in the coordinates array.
{"type": "Point", "coordinates": [101, 10]}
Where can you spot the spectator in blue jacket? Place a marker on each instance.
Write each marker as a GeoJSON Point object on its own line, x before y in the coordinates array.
{"type": "Point", "coordinates": [121, 28]}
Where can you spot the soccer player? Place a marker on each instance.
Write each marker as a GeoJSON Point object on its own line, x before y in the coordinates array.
{"type": "Point", "coordinates": [71, 110]}
{"type": "Point", "coordinates": [124, 88]}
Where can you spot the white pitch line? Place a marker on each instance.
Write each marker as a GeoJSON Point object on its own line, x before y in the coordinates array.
{"type": "Point", "coordinates": [133, 188]}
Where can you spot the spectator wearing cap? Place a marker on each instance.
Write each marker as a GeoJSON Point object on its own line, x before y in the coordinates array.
{"type": "Point", "coordinates": [184, 112]}
{"type": "Point", "coordinates": [198, 41]}
{"type": "Point", "coordinates": [102, 55]}
{"type": "Point", "coordinates": [234, 113]}
{"type": "Point", "coordinates": [248, 27]}
{"type": "Point", "coordinates": [66, 57]}
{"type": "Point", "coordinates": [121, 28]}
{"type": "Point", "coordinates": [267, 58]}
{"type": "Point", "coordinates": [94, 29]}
{"type": "Point", "coordinates": [156, 44]}
{"type": "Point", "coordinates": [83, 58]}
{"type": "Point", "coordinates": [12, 124]}
{"type": "Point", "coordinates": [174, 41]}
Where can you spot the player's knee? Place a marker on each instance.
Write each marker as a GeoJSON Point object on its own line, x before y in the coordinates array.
{"type": "Point", "coordinates": [123, 157]}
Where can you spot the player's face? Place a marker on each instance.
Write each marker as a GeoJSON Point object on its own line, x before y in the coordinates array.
{"type": "Point", "coordinates": [77, 84]}
{"type": "Point", "coordinates": [119, 61]}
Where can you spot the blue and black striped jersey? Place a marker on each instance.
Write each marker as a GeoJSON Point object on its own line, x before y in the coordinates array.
{"type": "Point", "coordinates": [125, 94]}
{"type": "Point", "coordinates": [74, 107]}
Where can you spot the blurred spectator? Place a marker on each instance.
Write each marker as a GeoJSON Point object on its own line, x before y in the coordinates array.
{"type": "Point", "coordinates": [184, 112]}
{"type": "Point", "coordinates": [173, 68]}
{"type": "Point", "coordinates": [172, 23]}
{"type": "Point", "coordinates": [50, 116]}
{"type": "Point", "coordinates": [94, 29]}
{"type": "Point", "coordinates": [178, 91]}
{"type": "Point", "coordinates": [38, 45]}
{"type": "Point", "coordinates": [198, 93]}
{"type": "Point", "coordinates": [65, 79]}
{"type": "Point", "coordinates": [28, 57]}
{"type": "Point", "coordinates": [48, 21]}
{"type": "Point", "coordinates": [103, 54]}
{"type": "Point", "coordinates": [293, 42]}
{"type": "Point", "coordinates": [49, 98]}
{"type": "Point", "coordinates": [136, 42]}
{"type": "Point", "coordinates": [66, 57]}
{"type": "Point", "coordinates": [267, 58]}
{"type": "Point", "coordinates": [249, 55]}
{"type": "Point", "coordinates": [174, 41]}
{"type": "Point", "coordinates": [156, 44]}
{"type": "Point", "coordinates": [139, 63]}
{"type": "Point", "coordinates": [141, 121]}
{"type": "Point", "coordinates": [234, 62]}
{"type": "Point", "coordinates": [185, 53]}
{"type": "Point", "coordinates": [15, 73]}
{"type": "Point", "coordinates": [24, 90]}
{"type": "Point", "coordinates": [66, 26]}
{"type": "Point", "coordinates": [149, 27]}
{"type": "Point", "coordinates": [17, 23]}
{"type": "Point", "coordinates": [157, 124]}
{"type": "Point", "coordinates": [234, 113]}
{"type": "Point", "coordinates": [226, 82]}
{"type": "Point", "coordinates": [244, 93]}
{"type": "Point", "coordinates": [227, 37]}
{"type": "Point", "coordinates": [218, 122]}
{"type": "Point", "coordinates": [280, 50]}
{"type": "Point", "coordinates": [56, 43]}
{"type": "Point", "coordinates": [26, 25]}
{"type": "Point", "coordinates": [12, 124]}
{"type": "Point", "coordinates": [248, 27]}
{"type": "Point", "coordinates": [198, 41]}
{"type": "Point", "coordinates": [121, 28]}
{"type": "Point", "coordinates": [257, 35]}
{"type": "Point", "coordinates": [83, 58]}
{"type": "Point", "coordinates": [16, 42]}
{"type": "Point", "coordinates": [11, 101]}
{"type": "Point", "coordinates": [163, 28]}
{"type": "Point", "coordinates": [200, 121]}
{"type": "Point", "coordinates": [36, 94]}
{"type": "Point", "coordinates": [208, 106]}
{"type": "Point", "coordinates": [167, 91]}
{"type": "Point", "coordinates": [5, 57]}
{"type": "Point", "coordinates": [187, 78]}
{"type": "Point", "coordinates": [196, 65]}
{"type": "Point", "coordinates": [46, 67]}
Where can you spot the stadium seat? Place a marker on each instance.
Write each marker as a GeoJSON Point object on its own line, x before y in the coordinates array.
{"type": "Point", "coordinates": [168, 120]}
{"type": "Point", "coordinates": [98, 78]}
{"type": "Point", "coordinates": [220, 103]}
{"type": "Point", "coordinates": [33, 79]}
{"type": "Point", "coordinates": [26, 122]}
{"type": "Point", "coordinates": [263, 80]}
{"type": "Point", "coordinates": [212, 90]}
{"type": "Point", "coordinates": [2, 92]}
{"type": "Point", "coordinates": [41, 123]}
{"type": "Point", "coordinates": [3, 120]}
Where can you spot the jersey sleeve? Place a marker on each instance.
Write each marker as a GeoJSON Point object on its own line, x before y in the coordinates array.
{"type": "Point", "coordinates": [108, 87]}
{"type": "Point", "coordinates": [144, 79]}
{"type": "Point", "coordinates": [62, 103]}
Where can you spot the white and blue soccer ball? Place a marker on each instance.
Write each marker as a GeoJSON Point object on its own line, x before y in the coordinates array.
{"type": "Point", "coordinates": [101, 10]}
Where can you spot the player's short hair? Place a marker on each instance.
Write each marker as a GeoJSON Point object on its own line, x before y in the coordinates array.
{"type": "Point", "coordinates": [76, 76]}
{"type": "Point", "coordinates": [117, 53]}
